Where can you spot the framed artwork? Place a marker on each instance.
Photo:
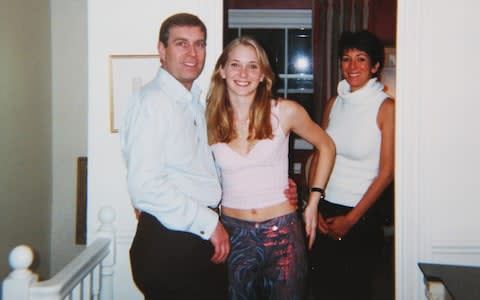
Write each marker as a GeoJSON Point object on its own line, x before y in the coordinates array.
{"type": "Point", "coordinates": [81, 224]}
{"type": "Point", "coordinates": [127, 74]}
{"type": "Point", "coordinates": [389, 71]}
{"type": "Point", "coordinates": [390, 58]}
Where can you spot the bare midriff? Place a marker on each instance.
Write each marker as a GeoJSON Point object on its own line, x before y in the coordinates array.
{"type": "Point", "coordinates": [260, 214]}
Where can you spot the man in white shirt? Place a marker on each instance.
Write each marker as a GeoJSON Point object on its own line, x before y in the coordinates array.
{"type": "Point", "coordinates": [180, 245]}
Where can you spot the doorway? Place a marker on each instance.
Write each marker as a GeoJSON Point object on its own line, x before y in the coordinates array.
{"type": "Point", "coordinates": [285, 31]}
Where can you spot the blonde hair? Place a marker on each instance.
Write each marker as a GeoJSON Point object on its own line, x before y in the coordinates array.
{"type": "Point", "coordinates": [219, 111]}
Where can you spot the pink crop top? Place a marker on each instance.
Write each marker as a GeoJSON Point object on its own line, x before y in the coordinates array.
{"type": "Point", "coordinates": [259, 178]}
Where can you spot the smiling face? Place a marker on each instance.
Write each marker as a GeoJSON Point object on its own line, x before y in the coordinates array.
{"type": "Point", "coordinates": [184, 55]}
{"type": "Point", "coordinates": [242, 71]}
{"type": "Point", "coordinates": [357, 68]}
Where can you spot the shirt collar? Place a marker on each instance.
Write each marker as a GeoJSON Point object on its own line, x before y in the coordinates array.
{"type": "Point", "coordinates": [174, 88]}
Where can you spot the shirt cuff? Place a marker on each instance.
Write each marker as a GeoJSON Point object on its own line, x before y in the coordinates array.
{"type": "Point", "coordinates": [205, 223]}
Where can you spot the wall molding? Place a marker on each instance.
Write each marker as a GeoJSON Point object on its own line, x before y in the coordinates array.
{"type": "Point", "coordinates": [456, 248]}
{"type": "Point", "coordinates": [411, 238]}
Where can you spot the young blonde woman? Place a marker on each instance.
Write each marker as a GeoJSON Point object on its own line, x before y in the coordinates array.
{"type": "Point", "coordinates": [248, 132]}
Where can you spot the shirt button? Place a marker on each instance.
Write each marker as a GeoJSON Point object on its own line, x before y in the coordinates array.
{"type": "Point", "coordinates": [202, 232]}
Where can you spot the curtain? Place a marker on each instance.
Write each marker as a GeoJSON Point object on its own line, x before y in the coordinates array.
{"type": "Point", "coordinates": [329, 19]}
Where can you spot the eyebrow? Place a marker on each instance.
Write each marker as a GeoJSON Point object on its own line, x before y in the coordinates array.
{"type": "Point", "coordinates": [187, 40]}
{"type": "Point", "coordinates": [356, 55]}
{"type": "Point", "coordinates": [180, 39]}
{"type": "Point", "coordinates": [248, 62]}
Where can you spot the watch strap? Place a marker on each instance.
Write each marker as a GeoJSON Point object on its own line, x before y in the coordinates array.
{"type": "Point", "coordinates": [318, 189]}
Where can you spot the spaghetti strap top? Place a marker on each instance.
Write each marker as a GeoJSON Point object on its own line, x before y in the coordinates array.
{"type": "Point", "coordinates": [259, 178]}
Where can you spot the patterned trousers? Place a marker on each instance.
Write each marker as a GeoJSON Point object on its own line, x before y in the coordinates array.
{"type": "Point", "coordinates": [268, 259]}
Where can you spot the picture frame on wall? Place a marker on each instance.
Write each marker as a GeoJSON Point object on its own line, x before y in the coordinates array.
{"type": "Point", "coordinates": [81, 218]}
{"type": "Point", "coordinates": [128, 73]}
{"type": "Point", "coordinates": [389, 71]}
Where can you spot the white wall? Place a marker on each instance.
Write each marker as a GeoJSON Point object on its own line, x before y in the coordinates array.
{"type": "Point", "coordinates": [25, 130]}
{"type": "Point", "coordinates": [438, 143]}
{"type": "Point", "coordinates": [44, 126]}
{"type": "Point", "coordinates": [128, 27]}
{"type": "Point", "coordinates": [69, 121]}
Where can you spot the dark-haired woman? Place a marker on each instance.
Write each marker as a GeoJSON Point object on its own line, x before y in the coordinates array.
{"type": "Point", "coordinates": [360, 120]}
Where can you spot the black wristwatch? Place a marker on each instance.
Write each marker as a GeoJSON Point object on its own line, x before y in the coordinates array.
{"type": "Point", "coordinates": [320, 190]}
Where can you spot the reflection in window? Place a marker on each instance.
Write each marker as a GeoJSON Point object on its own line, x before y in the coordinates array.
{"type": "Point", "coordinates": [300, 51]}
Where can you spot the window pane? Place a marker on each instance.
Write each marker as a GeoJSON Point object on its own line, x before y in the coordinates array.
{"type": "Point", "coordinates": [306, 100]}
{"type": "Point", "coordinates": [230, 34]}
{"type": "Point", "coordinates": [304, 85]}
{"type": "Point", "coordinates": [273, 40]}
{"type": "Point", "coordinates": [279, 87]}
{"type": "Point", "coordinates": [299, 51]}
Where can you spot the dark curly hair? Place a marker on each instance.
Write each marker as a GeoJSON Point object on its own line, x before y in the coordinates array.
{"type": "Point", "coordinates": [364, 41]}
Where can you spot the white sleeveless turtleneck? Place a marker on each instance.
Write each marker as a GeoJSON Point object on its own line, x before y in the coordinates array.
{"type": "Point", "coordinates": [353, 127]}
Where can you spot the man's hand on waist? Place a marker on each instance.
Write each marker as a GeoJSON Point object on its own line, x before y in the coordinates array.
{"type": "Point", "coordinates": [221, 244]}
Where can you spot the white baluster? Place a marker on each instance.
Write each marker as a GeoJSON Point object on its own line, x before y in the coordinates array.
{"type": "Point", "coordinates": [107, 230]}
{"type": "Point", "coordinates": [16, 286]}
{"type": "Point", "coordinates": [95, 283]}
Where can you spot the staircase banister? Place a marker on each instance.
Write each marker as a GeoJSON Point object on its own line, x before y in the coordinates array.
{"type": "Point", "coordinates": [64, 281]}
{"type": "Point", "coordinates": [95, 261]}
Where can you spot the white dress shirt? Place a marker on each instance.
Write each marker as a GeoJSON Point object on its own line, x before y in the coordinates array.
{"type": "Point", "coordinates": [170, 169]}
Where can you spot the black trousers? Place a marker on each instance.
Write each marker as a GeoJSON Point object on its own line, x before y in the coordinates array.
{"type": "Point", "coordinates": [169, 264]}
{"type": "Point", "coordinates": [344, 270]}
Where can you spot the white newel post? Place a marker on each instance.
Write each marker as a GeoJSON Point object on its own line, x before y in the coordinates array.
{"type": "Point", "coordinates": [107, 230]}
{"type": "Point", "coordinates": [17, 284]}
